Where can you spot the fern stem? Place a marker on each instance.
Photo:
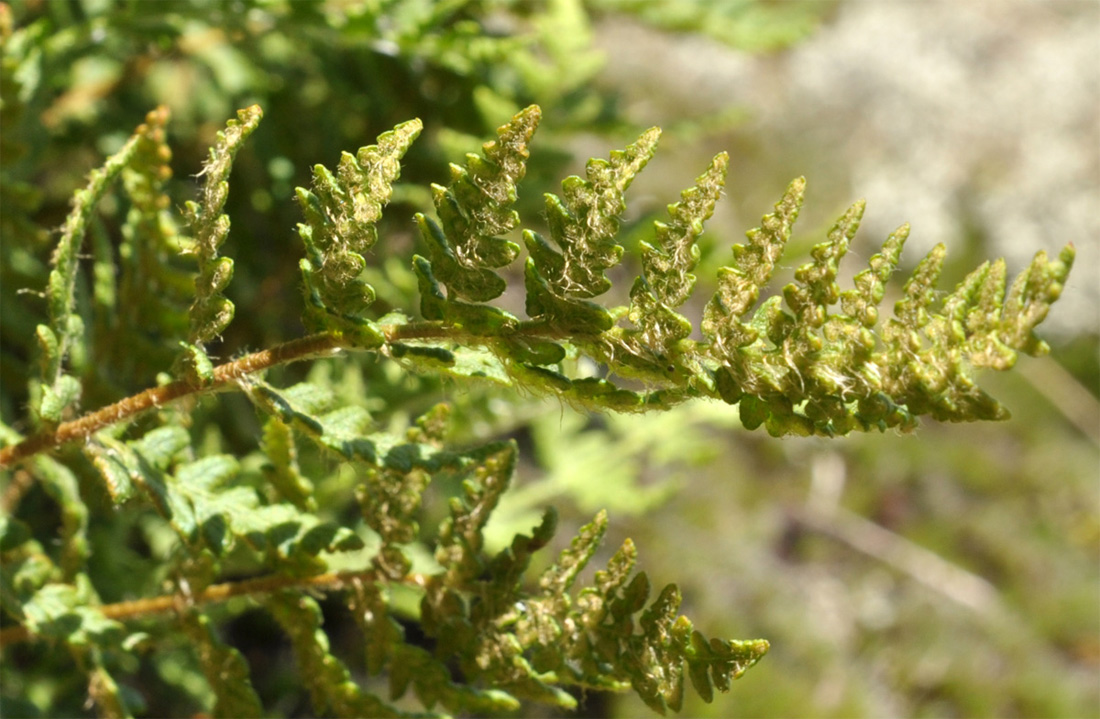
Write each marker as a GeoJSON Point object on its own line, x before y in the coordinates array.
{"type": "Point", "coordinates": [80, 429]}
{"type": "Point", "coordinates": [530, 329]}
{"type": "Point", "coordinates": [309, 347]}
{"type": "Point", "coordinates": [222, 593]}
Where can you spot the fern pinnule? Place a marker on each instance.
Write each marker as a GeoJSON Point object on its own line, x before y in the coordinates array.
{"type": "Point", "coordinates": [739, 285]}
{"type": "Point", "coordinates": [56, 389]}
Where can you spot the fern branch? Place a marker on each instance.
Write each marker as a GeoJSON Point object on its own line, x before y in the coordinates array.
{"type": "Point", "coordinates": [215, 593]}
{"type": "Point", "coordinates": [319, 345]}
{"type": "Point", "coordinates": [890, 388]}
{"type": "Point", "coordinates": [813, 371]}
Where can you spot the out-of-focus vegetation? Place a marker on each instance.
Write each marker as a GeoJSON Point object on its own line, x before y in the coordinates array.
{"type": "Point", "coordinates": [950, 573]}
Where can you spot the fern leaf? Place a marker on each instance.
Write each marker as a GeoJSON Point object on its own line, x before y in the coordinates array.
{"type": "Point", "coordinates": [282, 470]}
{"type": "Point", "coordinates": [861, 302]}
{"type": "Point", "coordinates": [713, 664]}
{"type": "Point", "coordinates": [571, 315]}
{"type": "Point", "coordinates": [369, 604]}
{"type": "Point", "coordinates": [58, 390]}
{"type": "Point", "coordinates": [658, 674]}
{"type": "Point", "coordinates": [340, 213]}
{"type": "Point", "coordinates": [815, 288]}
{"type": "Point", "coordinates": [584, 226]}
{"type": "Point", "coordinates": [68, 613]}
{"type": "Point", "coordinates": [474, 210]}
{"type": "Point", "coordinates": [141, 295]}
{"type": "Point", "coordinates": [557, 580]}
{"type": "Point", "coordinates": [62, 485]}
{"type": "Point", "coordinates": [141, 462]}
{"type": "Point", "coordinates": [211, 312]}
{"type": "Point", "coordinates": [1030, 298]}
{"type": "Point", "coordinates": [460, 537]}
{"type": "Point", "coordinates": [739, 286]}
{"type": "Point", "coordinates": [666, 280]}
{"type": "Point", "coordinates": [390, 502]}
{"type": "Point", "coordinates": [431, 681]}
{"type": "Point", "coordinates": [205, 506]}
{"type": "Point", "coordinates": [306, 408]}
{"type": "Point", "coordinates": [982, 315]}
{"type": "Point", "coordinates": [330, 683]}
{"type": "Point", "coordinates": [590, 639]}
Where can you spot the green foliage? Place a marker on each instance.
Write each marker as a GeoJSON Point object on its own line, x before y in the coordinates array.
{"type": "Point", "coordinates": [473, 211]}
{"type": "Point", "coordinates": [141, 154]}
{"type": "Point", "coordinates": [806, 369]}
{"type": "Point", "coordinates": [800, 370]}
{"type": "Point", "coordinates": [666, 281]}
{"type": "Point", "coordinates": [229, 533]}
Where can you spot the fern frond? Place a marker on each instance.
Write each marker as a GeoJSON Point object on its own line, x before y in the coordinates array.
{"type": "Point", "coordinates": [814, 359]}
{"type": "Point", "coordinates": [794, 363]}
{"type": "Point", "coordinates": [590, 640]}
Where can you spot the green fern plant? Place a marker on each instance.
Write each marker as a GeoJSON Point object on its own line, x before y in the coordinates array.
{"type": "Point", "coordinates": [794, 363]}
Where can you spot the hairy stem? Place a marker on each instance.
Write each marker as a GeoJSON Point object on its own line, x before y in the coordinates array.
{"type": "Point", "coordinates": [82, 428]}
{"type": "Point", "coordinates": [221, 593]}
{"type": "Point", "coordinates": [309, 347]}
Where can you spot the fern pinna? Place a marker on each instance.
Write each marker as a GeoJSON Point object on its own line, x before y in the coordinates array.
{"type": "Point", "coordinates": [811, 360]}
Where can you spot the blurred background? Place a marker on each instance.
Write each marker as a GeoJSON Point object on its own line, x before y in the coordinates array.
{"type": "Point", "coordinates": [950, 572]}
